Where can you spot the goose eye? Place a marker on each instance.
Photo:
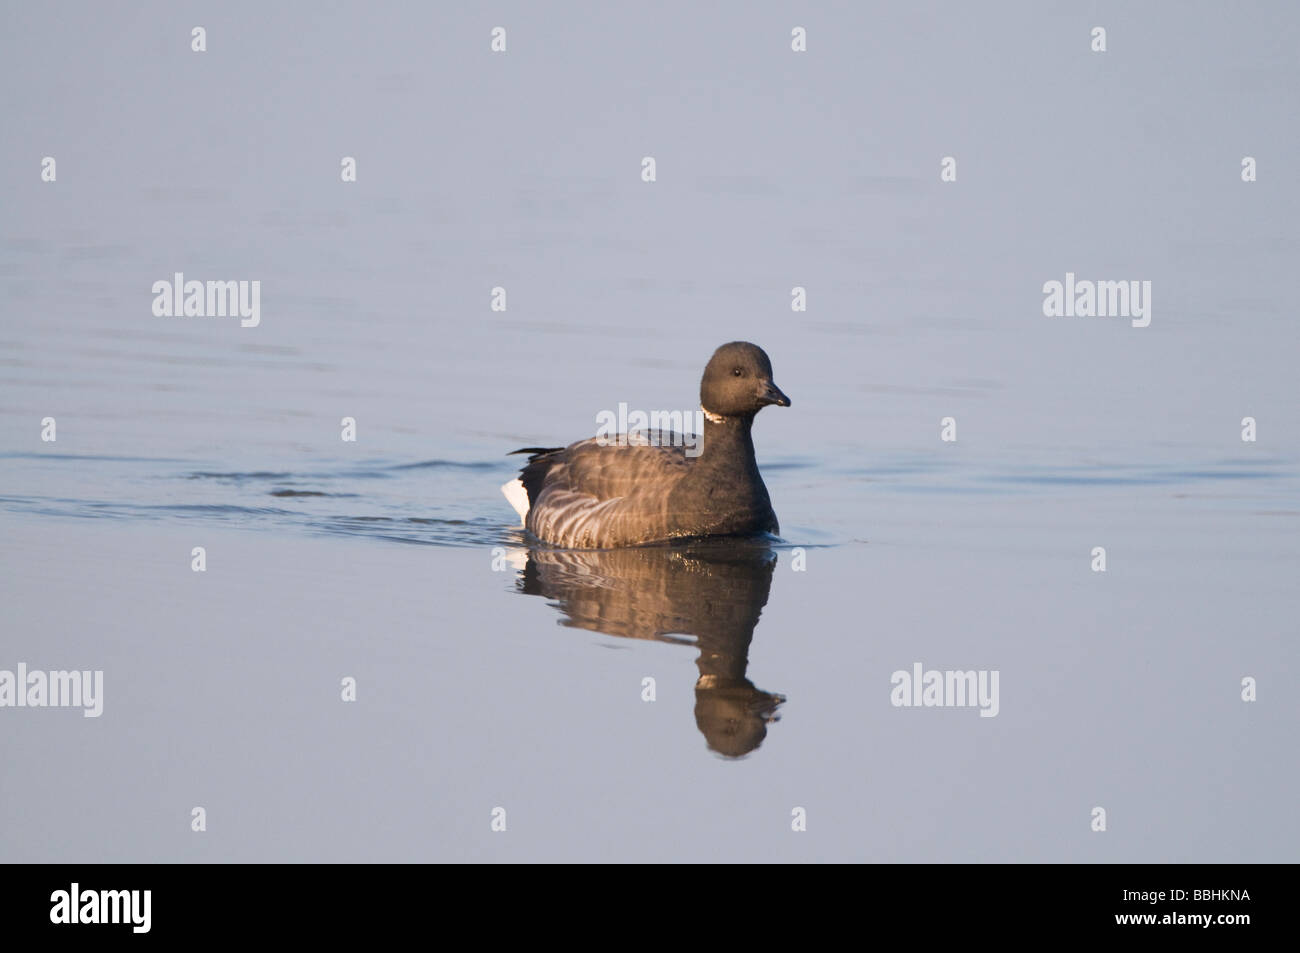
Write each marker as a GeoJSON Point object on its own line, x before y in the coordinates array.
{"type": "Point", "coordinates": [737, 372]}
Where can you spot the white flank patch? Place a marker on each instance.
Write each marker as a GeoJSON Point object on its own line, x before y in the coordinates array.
{"type": "Point", "coordinates": [518, 497]}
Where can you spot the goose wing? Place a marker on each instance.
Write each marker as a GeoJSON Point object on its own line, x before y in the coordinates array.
{"type": "Point", "coordinates": [599, 493]}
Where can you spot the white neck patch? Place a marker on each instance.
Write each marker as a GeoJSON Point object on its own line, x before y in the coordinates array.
{"type": "Point", "coordinates": [711, 416]}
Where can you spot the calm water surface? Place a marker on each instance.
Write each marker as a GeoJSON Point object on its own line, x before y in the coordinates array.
{"type": "Point", "coordinates": [494, 674]}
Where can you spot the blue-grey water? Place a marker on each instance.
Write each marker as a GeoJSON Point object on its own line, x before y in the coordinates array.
{"type": "Point", "coordinates": [491, 674]}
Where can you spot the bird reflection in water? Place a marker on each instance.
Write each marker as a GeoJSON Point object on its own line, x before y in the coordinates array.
{"type": "Point", "coordinates": [712, 590]}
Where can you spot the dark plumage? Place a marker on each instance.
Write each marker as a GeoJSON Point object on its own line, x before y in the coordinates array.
{"type": "Point", "coordinates": [597, 494]}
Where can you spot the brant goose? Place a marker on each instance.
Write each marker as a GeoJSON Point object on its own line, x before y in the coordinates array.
{"type": "Point", "coordinates": [633, 489]}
